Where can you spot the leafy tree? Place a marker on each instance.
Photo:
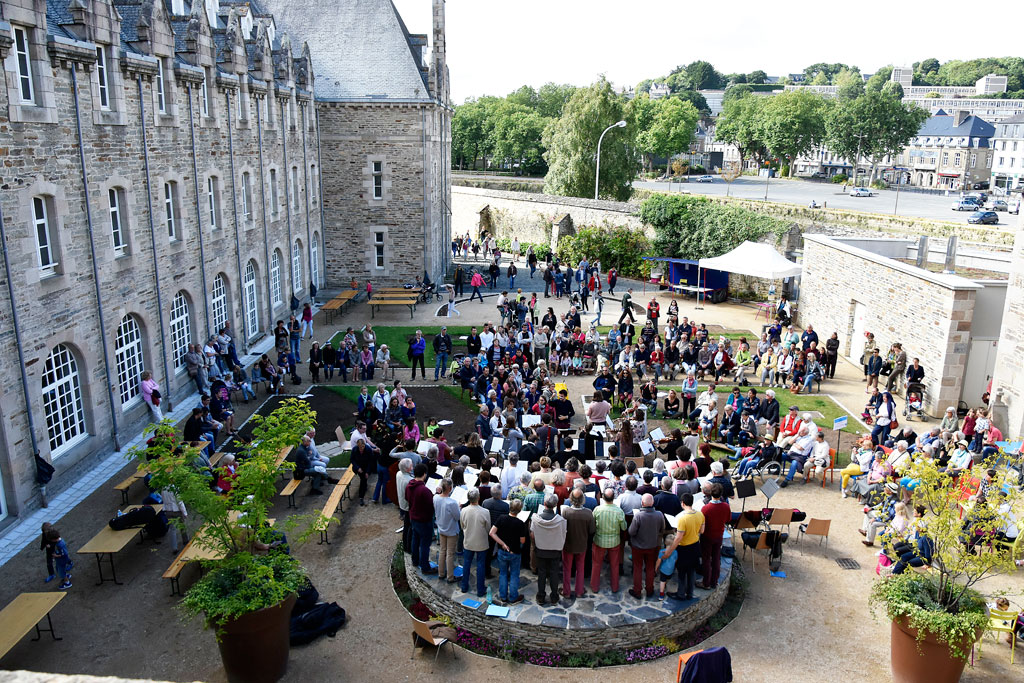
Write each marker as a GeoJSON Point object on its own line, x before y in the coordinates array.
{"type": "Point", "coordinates": [694, 98]}
{"type": "Point", "coordinates": [471, 127]}
{"type": "Point", "coordinates": [736, 90]}
{"type": "Point", "coordinates": [850, 85]}
{"type": "Point", "coordinates": [757, 77]}
{"type": "Point", "coordinates": [876, 124]}
{"type": "Point", "coordinates": [929, 65]}
{"type": "Point", "coordinates": [703, 75]}
{"type": "Point", "coordinates": [893, 89]}
{"type": "Point", "coordinates": [524, 96]}
{"type": "Point", "coordinates": [739, 124]}
{"type": "Point", "coordinates": [694, 227]}
{"type": "Point", "coordinates": [671, 128]}
{"type": "Point", "coordinates": [830, 71]}
{"type": "Point", "coordinates": [516, 135]}
{"type": "Point", "coordinates": [881, 77]}
{"type": "Point", "coordinates": [820, 78]}
{"type": "Point", "coordinates": [571, 143]}
{"type": "Point", "coordinates": [793, 123]}
{"type": "Point", "coordinates": [644, 86]}
{"type": "Point", "coordinates": [641, 111]}
{"type": "Point", "coordinates": [735, 78]}
{"type": "Point", "coordinates": [551, 99]}
{"type": "Point", "coordinates": [677, 81]}
{"type": "Point", "coordinates": [617, 245]}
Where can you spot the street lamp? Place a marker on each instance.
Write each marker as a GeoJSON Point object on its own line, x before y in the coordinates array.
{"type": "Point", "coordinates": [597, 176]}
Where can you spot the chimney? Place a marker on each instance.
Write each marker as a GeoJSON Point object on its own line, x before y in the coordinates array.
{"type": "Point", "coordinates": [959, 116]}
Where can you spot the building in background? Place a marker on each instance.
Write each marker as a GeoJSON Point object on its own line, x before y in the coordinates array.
{"type": "Point", "coordinates": [1008, 154]}
{"type": "Point", "coordinates": [951, 151]}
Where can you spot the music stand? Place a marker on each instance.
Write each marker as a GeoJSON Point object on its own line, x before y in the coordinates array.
{"type": "Point", "coordinates": [745, 489]}
{"type": "Point", "coordinates": [769, 489]}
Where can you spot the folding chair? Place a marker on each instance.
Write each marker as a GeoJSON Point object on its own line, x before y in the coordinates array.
{"type": "Point", "coordinates": [421, 631]}
{"type": "Point", "coordinates": [762, 544]}
{"type": "Point", "coordinates": [1000, 621]}
{"type": "Point", "coordinates": [831, 469]}
{"type": "Point", "coordinates": [742, 523]}
{"type": "Point", "coordinates": [781, 517]}
{"type": "Point", "coordinates": [816, 527]}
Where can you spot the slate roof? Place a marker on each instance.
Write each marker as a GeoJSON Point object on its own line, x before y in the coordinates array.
{"type": "Point", "coordinates": [360, 48]}
{"type": "Point", "coordinates": [971, 127]}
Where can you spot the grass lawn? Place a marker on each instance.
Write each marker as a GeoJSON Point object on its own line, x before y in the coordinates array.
{"type": "Point", "coordinates": [466, 399]}
{"type": "Point", "coordinates": [397, 339]}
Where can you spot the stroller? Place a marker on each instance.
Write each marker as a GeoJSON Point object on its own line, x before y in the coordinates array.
{"type": "Point", "coordinates": [915, 401]}
{"type": "Point", "coordinates": [429, 292]}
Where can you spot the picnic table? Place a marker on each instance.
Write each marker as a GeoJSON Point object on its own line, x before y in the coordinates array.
{"type": "Point", "coordinates": [337, 304]}
{"type": "Point", "coordinates": [392, 300]}
{"type": "Point", "coordinates": [23, 614]}
{"type": "Point", "coordinates": [763, 307]}
{"type": "Point", "coordinates": [109, 542]}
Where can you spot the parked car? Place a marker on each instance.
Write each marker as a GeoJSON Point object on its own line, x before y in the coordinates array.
{"type": "Point", "coordinates": [983, 185]}
{"type": "Point", "coordinates": [861, 192]}
{"type": "Point", "coordinates": [997, 205]}
{"type": "Point", "coordinates": [980, 197]}
{"type": "Point", "coordinates": [984, 217]}
{"type": "Point", "coordinates": [965, 205]}
{"type": "Point", "coordinates": [705, 179]}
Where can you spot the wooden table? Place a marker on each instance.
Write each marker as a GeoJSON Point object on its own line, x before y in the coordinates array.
{"type": "Point", "coordinates": [197, 552]}
{"type": "Point", "coordinates": [23, 614]}
{"type": "Point", "coordinates": [377, 302]}
{"type": "Point", "coordinates": [109, 542]}
{"type": "Point", "coordinates": [337, 304]}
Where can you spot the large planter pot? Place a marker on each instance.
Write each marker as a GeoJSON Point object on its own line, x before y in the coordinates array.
{"type": "Point", "coordinates": [254, 647]}
{"type": "Point", "coordinates": [923, 661]}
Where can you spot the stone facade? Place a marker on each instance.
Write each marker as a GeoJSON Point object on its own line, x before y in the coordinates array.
{"type": "Point", "coordinates": [1008, 382]}
{"type": "Point", "coordinates": [627, 631]}
{"type": "Point", "coordinates": [849, 290]}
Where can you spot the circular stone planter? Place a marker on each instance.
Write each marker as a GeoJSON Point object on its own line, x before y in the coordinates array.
{"type": "Point", "coordinates": [594, 623]}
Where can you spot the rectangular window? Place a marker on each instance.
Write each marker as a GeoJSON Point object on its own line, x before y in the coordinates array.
{"type": "Point", "coordinates": [378, 180]}
{"type": "Point", "coordinates": [956, 159]}
{"type": "Point", "coordinates": [161, 94]}
{"type": "Point", "coordinates": [1002, 161]}
{"type": "Point", "coordinates": [273, 191]}
{"type": "Point", "coordinates": [204, 98]}
{"type": "Point", "coordinates": [1014, 145]}
{"type": "Point", "coordinates": [170, 190]}
{"type": "Point", "coordinates": [116, 230]}
{"type": "Point", "coordinates": [945, 158]}
{"type": "Point", "coordinates": [246, 196]}
{"type": "Point", "coordinates": [974, 160]}
{"type": "Point", "coordinates": [212, 200]}
{"type": "Point", "coordinates": [44, 236]}
{"type": "Point", "coordinates": [378, 248]}
{"type": "Point", "coordinates": [101, 76]}
{"type": "Point", "coordinates": [295, 187]}
{"type": "Point", "coordinates": [1012, 161]}
{"type": "Point", "coordinates": [24, 62]}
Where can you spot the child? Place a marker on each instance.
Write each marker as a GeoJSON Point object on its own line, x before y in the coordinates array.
{"type": "Point", "coordinates": [44, 544]}
{"type": "Point", "coordinates": [577, 364]}
{"type": "Point", "coordinates": [665, 568]}
{"type": "Point", "coordinates": [61, 557]}
{"type": "Point", "coordinates": [565, 363]}
{"type": "Point", "coordinates": [431, 427]}
{"type": "Point", "coordinates": [1003, 605]}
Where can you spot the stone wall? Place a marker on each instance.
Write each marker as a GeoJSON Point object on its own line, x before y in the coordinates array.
{"type": "Point", "coordinates": [929, 313]}
{"type": "Point", "coordinates": [1008, 382]}
{"type": "Point", "coordinates": [568, 640]}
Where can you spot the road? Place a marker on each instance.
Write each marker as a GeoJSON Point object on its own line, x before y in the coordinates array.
{"type": "Point", "coordinates": [801, 192]}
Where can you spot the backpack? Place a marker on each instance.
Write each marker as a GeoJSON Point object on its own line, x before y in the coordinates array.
{"type": "Point", "coordinates": [139, 517]}
{"type": "Point", "coordinates": [323, 619]}
{"type": "Point", "coordinates": [157, 528]}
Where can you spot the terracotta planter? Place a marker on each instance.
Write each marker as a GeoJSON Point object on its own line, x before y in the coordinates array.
{"type": "Point", "coordinates": [925, 661]}
{"type": "Point", "coordinates": [254, 647]}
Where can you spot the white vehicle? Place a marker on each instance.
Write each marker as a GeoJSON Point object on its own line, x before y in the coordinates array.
{"type": "Point", "coordinates": [997, 205]}
{"type": "Point", "coordinates": [705, 179]}
{"type": "Point", "coordinates": [860, 192]}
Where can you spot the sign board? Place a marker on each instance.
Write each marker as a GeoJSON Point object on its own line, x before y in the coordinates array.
{"type": "Point", "coordinates": [840, 423]}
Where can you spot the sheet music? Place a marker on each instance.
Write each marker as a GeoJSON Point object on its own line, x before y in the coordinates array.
{"type": "Point", "coordinates": [673, 521]}
{"type": "Point", "coordinates": [423, 447]}
{"type": "Point", "coordinates": [469, 478]}
{"type": "Point", "coordinates": [531, 421]}
{"type": "Point", "coordinates": [460, 495]}
{"type": "Point", "coordinates": [657, 434]}
{"type": "Point", "coordinates": [646, 446]}
{"type": "Point", "coordinates": [442, 471]}
{"type": "Point", "coordinates": [496, 444]}
{"type": "Point", "coordinates": [524, 515]}
{"type": "Point", "coordinates": [521, 467]}
{"type": "Point", "coordinates": [496, 473]}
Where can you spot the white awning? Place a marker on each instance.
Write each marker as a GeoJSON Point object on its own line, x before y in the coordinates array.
{"type": "Point", "coordinates": [755, 259]}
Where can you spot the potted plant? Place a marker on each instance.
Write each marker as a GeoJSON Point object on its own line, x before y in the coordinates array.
{"type": "Point", "coordinates": [251, 580]}
{"type": "Point", "coordinates": [937, 614]}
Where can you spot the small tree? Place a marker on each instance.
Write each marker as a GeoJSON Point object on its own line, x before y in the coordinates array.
{"type": "Point", "coordinates": [945, 602]}
{"type": "Point", "coordinates": [731, 172]}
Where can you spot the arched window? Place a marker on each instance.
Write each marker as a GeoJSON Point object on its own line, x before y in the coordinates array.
{"type": "Point", "coordinates": [128, 356]}
{"type": "Point", "coordinates": [219, 302]}
{"type": "Point", "coordinates": [181, 329]}
{"type": "Point", "coordinates": [314, 255]}
{"type": "Point", "coordinates": [297, 277]}
{"type": "Point", "coordinates": [275, 277]}
{"type": "Point", "coordinates": [62, 400]}
{"type": "Point", "coordinates": [252, 323]}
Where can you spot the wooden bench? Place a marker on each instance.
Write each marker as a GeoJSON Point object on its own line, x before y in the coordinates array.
{"type": "Point", "coordinates": [289, 490]}
{"type": "Point", "coordinates": [334, 502]}
{"type": "Point", "coordinates": [23, 614]}
{"type": "Point", "coordinates": [375, 305]}
{"type": "Point", "coordinates": [123, 486]}
{"type": "Point", "coordinates": [109, 542]}
{"type": "Point", "coordinates": [216, 458]}
{"type": "Point", "coordinates": [281, 457]}
{"type": "Point", "coordinates": [192, 552]}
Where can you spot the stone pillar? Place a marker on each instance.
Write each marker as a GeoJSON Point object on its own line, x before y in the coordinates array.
{"type": "Point", "coordinates": [1008, 381]}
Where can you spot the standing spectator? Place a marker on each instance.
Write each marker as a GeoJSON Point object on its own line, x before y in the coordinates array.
{"type": "Point", "coordinates": [531, 260]}
{"type": "Point", "coordinates": [476, 282]}
{"type": "Point", "coordinates": [644, 537]}
{"type": "Point", "coordinates": [580, 527]}
{"type": "Point", "coordinates": [476, 525]}
{"type": "Point", "coordinates": [548, 530]}
{"type": "Point", "coordinates": [809, 337]}
{"type": "Point", "coordinates": [494, 270]}
{"type": "Point", "coordinates": [294, 336]}
{"type": "Point", "coordinates": [458, 279]}
{"type": "Point", "coordinates": [872, 369]}
{"type": "Point", "coordinates": [417, 349]}
{"type": "Point", "coordinates": [421, 516]}
{"type": "Point", "coordinates": [61, 556]}
{"type": "Point", "coordinates": [610, 522]}
{"type": "Point", "coordinates": [364, 461]}
{"type": "Point", "coordinates": [512, 272]}
{"type": "Point", "coordinates": [508, 534]}
{"type": "Point", "coordinates": [653, 312]}
{"type": "Point", "coordinates": [613, 278]}
{"type": "Point", "coordinates": [831, 355]}
{"type": "Point", "coordinates": [402, 480]}
{"type": "Point", "coordinates": [151, 395]}
{"type": "Point", "coordinates": [899, 367]}
{"type": "Point", "coordinates": [307, 321]}
{"type": "Point", "coordinates": [442, 349]}
{"type": "Point", "coordinates": [316, 362]}
{"type": "Point", "coordinates": [446, 515]}
{"type": "Point", "coordinates": [369, 290]}
{"type": "Point", "coordinates": [716, 515]}
{"type": "Point", "coordinates": [686, 545]}
{"type": "Point", "coordinates": [496, 507]}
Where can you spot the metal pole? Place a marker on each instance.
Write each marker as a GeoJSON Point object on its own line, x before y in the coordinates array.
{"type": "Point", "coordinates": [597, 175]}
{"type": "Point", "coordinates": [767, 175]}
{"type": "Point", "coordinates": [898, 184]}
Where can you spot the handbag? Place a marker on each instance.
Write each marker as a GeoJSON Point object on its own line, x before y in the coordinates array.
{"type": "Point", "coordinates": [894, 424]}
{"type": "Point", "coordinates": [886, 369]}
{"type": "Point", "coordinates": [155, 397]}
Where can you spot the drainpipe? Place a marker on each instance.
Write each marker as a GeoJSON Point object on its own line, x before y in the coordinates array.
{"type": "Point", "coordinates": [319, 180]}
{"type": "Point", "coordinates": [263, 206]}
{"type": "Point", "coordinates": [426, 199]}
{"type": "Point", "coordinates": [305, 180]}
{"type": "Point", "coordinates": [21, 352]}
{"type": "Point", "coordinates": [234, 209]}
{"type": "Point", "coordinates": [288, 201]}
{"type": "Point", "coordinates": [92, 254]}
{"type": "Point", "coordinates": [199, 213]}
{"type": "Point", "coordinates": [156, 261]}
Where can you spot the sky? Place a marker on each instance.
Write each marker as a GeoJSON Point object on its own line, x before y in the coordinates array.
{"type": "Point", "coordinates": [495, 46]}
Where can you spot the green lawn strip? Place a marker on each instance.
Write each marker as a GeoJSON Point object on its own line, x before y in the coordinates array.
{"type": "Point", "coordinates": [397, 339]}
{"type": "Point", "coordinates": [466, 399]}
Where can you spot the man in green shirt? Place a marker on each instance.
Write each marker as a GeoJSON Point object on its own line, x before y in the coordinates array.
{"type": "Point", "coordinates": [610, 521]}
{"type": "Point", "coordinates": [535, 498]}
{"type": "Point", "coordinates": [627, 306]}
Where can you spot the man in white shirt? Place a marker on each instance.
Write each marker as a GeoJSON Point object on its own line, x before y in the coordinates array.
{"type": "Point", "coordinates": [359, 434]}
{"type": "Point", "coordinates": [819, 459]}
{"type": "Point", "coordinates": [539, 344]}
{"type": "Point", "coordinates": [487, 337]}
{"type": "Point", "coordinates": [798, 454]}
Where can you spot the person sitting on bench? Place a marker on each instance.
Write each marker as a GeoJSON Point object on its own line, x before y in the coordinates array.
{"type": "Point", "coordinates": [306, 467]}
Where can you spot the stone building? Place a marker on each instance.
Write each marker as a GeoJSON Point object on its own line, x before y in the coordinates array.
{"type": "Point", "coordinates": [1008, 384]}
{"type": "Point", "coordinates": [385, 120]}
{"type": "Point", "coordinates": [162, 179]}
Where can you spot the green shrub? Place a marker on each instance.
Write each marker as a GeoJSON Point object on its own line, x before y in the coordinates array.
{"type": "Point", "coordinates": [697, 169]}
{"type": "Point", "coordinates": [541, 250]}
{"type": "Point", "coordinates": [617, 246]}
{"type": "Point", "coordinates": [840, 178]}
{"type": "Point", "coordinates": [879, 184]}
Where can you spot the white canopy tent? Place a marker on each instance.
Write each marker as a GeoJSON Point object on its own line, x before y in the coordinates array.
{"type": "Point", "coordinates": [754, 259]}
